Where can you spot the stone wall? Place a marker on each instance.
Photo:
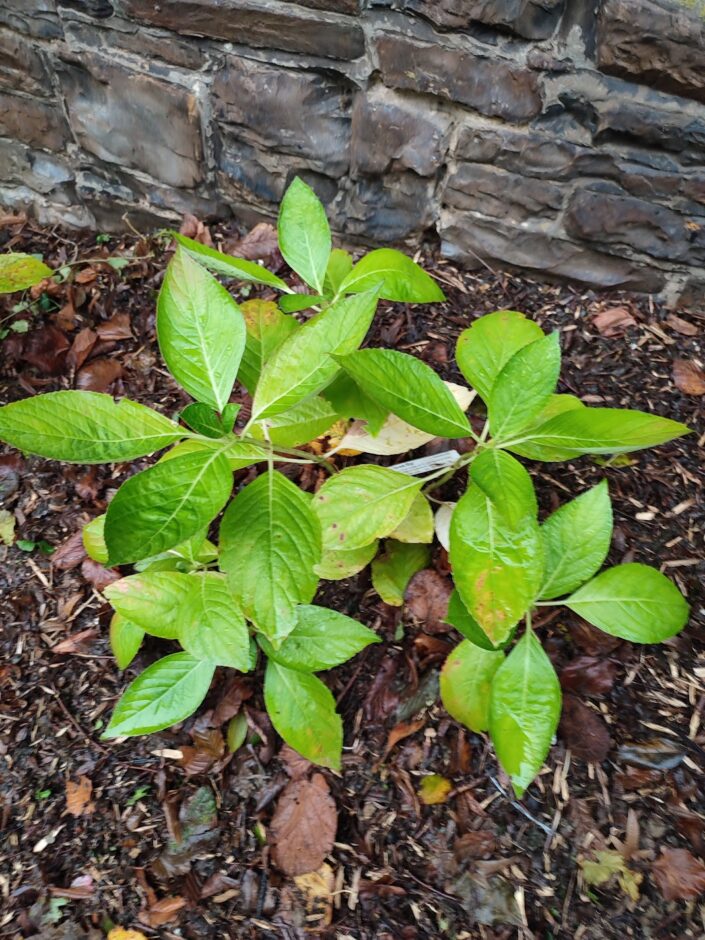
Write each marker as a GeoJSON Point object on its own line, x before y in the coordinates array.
{"type": "Point", "coordinates": [566, 137]}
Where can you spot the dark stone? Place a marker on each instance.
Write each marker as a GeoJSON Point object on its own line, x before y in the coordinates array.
{"type": "Point", "coordinates": [265, 23]}
{"type": "Point", "coordinates": [134, 120]}
{"type": "Point", "coordinates": [501, 195]}
{"type": "Point", "coordinates": [396, 132]}
{"type": "Point", "coordinates": [473, 241]}
{"type": "Point", "coordinates": [100, 9]}
{"type": "Point", "coordinates": [37, 123]}
{"type": "Point", "coordinates": [490, 85]}
{"type": "Point", "coordinates": [692, 296]}
{"type": "Point", "coordinates": [603, 214]}
{"type": "Point", "coordinates": [38, 18]}
{"type": "Point", "coordinates": [151, 45]}
{"type": "Point", "coordinates": [22, 67]}
{"type": "Point", "coordinates": [302, 113]}
{"type": "Point", "coordinates": [396, 208]}
{"type": "Point", "coordinates": [654, 42]}
{"type": "Point", "coordinates": [42, 172]}
{"type": "Point", "coordinates": [533, 19]}
{"type": "Point", "coordinates": [352, 7]}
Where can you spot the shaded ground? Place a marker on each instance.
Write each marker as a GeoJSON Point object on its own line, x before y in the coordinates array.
{"type": "Point", "coordinates": [399, 870]}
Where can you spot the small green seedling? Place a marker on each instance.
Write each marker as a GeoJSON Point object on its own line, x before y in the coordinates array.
{"type": "Point", "coordinates": [253, 593]}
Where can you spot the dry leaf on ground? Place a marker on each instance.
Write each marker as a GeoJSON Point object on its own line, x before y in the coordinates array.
{"type": "Point", "coordinates": [78, 796]}
{"type": "Point", "coordinates": [614, 321]}
{"type": "Point", "coordinates": [688, 377]}
{"type": "Point", "coordinates": [198, 831]}
{"type": "Point", "coordinates": [588, 675]}
{"type": "Point", "coordinates": [260, 244]}
{"type": "Point", "coordinates": [117, 327]}
{"type": "Point", "coordinates": [120, 933]}
{"type": "Point", "coordinates": [98, 575]}
{"type": "Point", "coordinates": [303, 827]}
{"type": "Point", "coordinates": [162, 912]}
{"type": "Point", "coordinates": [684, 327]}
{"type": "Point", "coordinates": [318, 888]}
{"type": "Point", "coordinates": [434, 789]}
{"type": "Point", "coordinates": [583, 731]}
{"type": "Point", "coordinates": [70, 553]}
{"type": "Point", "coordinates": [678, 874]}
{"type": "Point", "coordinates": [193, 228]}
{"type": "Point", "coordinates": [426, 599]}
{"type": "Point", "coordinates": [98, 375]}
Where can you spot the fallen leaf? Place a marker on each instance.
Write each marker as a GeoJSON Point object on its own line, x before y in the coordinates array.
{"type": "Point", "coordinates": [614, 321]}
{"type": "Point", "coordinates": [83, 343]}
{"type": "Point", "coordinates": [10, 467]}
{"type": "Point", "coordinates": [434, 789]}
{"type": "Point", "coordinates": [303, 827]}
{"type": "Point", "coordinates": [98, 575]}
{"type": "Point", "coordinates": [46, 349]}
{"type": "Point", "coordinates": [98, 375]}
{"type": "Point", "coordinates": [70, 553]}
{"type": "Point", "coordinates": [215, 884]}
{"type": "Point", "coordinates": [488, 900]}
{"type": "Point", "coordinates": [688, 377]}
{"type": "Point", "coordinates": [199, 832]}
{"type": "Point", "coordinates": [119, 933]}
{"type": "Point", "coordinates": [75, 642]}
{"type": "Point", "coordinates": [401, 731]}
{"type": "Point", "coordinates": [584, 731]}
{"type": "Point", "coordinates": [318, 888]}
{"type": "Point", "coordinates": [426, 599]}
{"type": "Point", "coordinates": [78, 796]}
{"type": "Point", "coordinates": [607, 865]}
{"type": "Point", "coordinates": [65, 319]}
{"type": "Point", "coordinates": [588, 675]}
{"type": "Point", "coordinates": [7, 527]}
{"type": "Point", "coordinates": [681, 326]}
{"type": "Point", "coordinates": [116, 328]}
{"type": "Point", "coordinates": [86, 276]}
{"type": "Point", "coordinates": [479, 843]}
{"type": "Point", "coordinates": [193, 228]}
{"type": "Point", "coordinates": [678, 875]}
{"type": "Point", "coordinates": [294, 764]}
{"type": "Point", "coordinates": [236, 691]}
{"type": "Point", "coordinates": [592, 641]}
{"type": "Point", "coordinates": [87, 485]}
{"type": "Point", "coordinates": [208, 747]}
{"type": "Point", "coordinates": [163, 911]}
{"type": "Point", "coordinates": [260, 244]}
{"type": "Point", "coordinates": [653, 754]}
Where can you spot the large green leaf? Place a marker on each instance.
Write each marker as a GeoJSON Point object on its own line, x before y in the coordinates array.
{"type": "Point", "coordinates": [417, 525]}
{"type": "Point", "coordinates": [153, 600]}
{"type": "Point", "coordinates": [302, 711]}
{"type": "Point", "coordinates": [594, 431]}
{"type": "Point", "coordinates": [160, 507]}
{"type": "Point", "coordinates": [335, 565]}
{"type": "Point", "coordinates": [321, 639]}
{"type": "Point", "coordinates": [166, 693]}
{"type": "Point", "coordinates": [497, 559]}
{"type": "Point", "coordinates": [506, 483]}
{"type": "Point", "coordinates": [213, 626]}
{"type": "Point", "coordinates": [302, 365]}
{"type": "Point", "coordinates": [270, 540]}
{"type": "Point", "coordinates": [459, 616]}
{"type": "Point", "coordinates": [401, 278]}
{"type": "Point", "coordinates": [201, 331]}
{"type": "Point", "coordinates": [267, 328]}
{"type": "Point", "coordinates": [525, 705]}
{"type": "Point", "coordinates": [350, 401]}
{"type": "Point", "coordinates": [576, 540]}
{"type": "Point", "coordinates": [524, 386]}
{"type": "Point", "coordinates": [632, 601]}
{"type": "Point", "coordinates": [392, 570]}
{"type": "Point", "coordinates": [85, 427]}
{"type": "Point", "coordinates": [299, 425]}
{"type": "Point", "coordinates": [361, 504]}
{"type": "Point", "coordinates": [466, 678]}
{"type": "Point", "coordinates": [125, 640]}
{"type": "Point", "coordinates": [239, 454]}
{"type": "Point", "coordinates": [487, 346]}
{"type": "Point", "coordinates": [408, 388]}
{"type": "Point", "coordinates": [19, 271]}
{"type": "Point", "coordinates": [304, 234]}
{"type": "Point", "coordinates": [237, 268]}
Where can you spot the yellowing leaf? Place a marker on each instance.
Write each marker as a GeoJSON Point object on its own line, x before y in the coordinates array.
{"type": "Point", "coordinates": [434, 789]}
{"type": "Point", "coordinates": [120, 933]}
{"type": "Point", "coordinates": [607, 865]}
{"type": "Point", "coordinates": [7, 527]}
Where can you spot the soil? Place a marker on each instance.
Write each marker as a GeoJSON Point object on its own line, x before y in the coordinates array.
{"type": "Point", "coordinates": [625, 775]}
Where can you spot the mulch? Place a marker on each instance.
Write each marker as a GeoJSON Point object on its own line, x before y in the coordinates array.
{"type": "Point", "coordinates": [96, 834]}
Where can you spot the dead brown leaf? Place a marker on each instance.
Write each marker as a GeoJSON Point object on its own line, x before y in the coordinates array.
{"type": "Point", "coordinates": [98, 575]}
{"type": "Point", "coordinates": [87, 485]}
{"type": "Point", "coordinates": [478, 843]}
{"type": "Point", "coordinates": [198, 833]}
{"type": "Point", "coordinates": [70, 553]}
{"type": "Point", "coordinates": [592, 641]}
{"type": "Point", "coordinates": [584, 731]}
{"type": "Point", "coordinates": [8, 219]}
{"type": "Point", "coordinates": [162, 912]}
{"type": "Point", "coordinates": [401, 731]}
{"type": "Point", "coordinates": [65, 319]}
{"type": "Point", "coordinates": [613, 321]}
{"type": "Point", "coordinates": [303, 827]}
{"type": "Point", "coordinates": [678, 874]}
{"type": "Point", "coordinates": [98, 375]}
{"type": "Point", "coordinates": [78, 796]}
{"type": "Point", "coordinates": [260, 244]}
{"type": "Point", "coordinates": [426, 599]}
{"type": "Point", "coordinates": [588, 675]}
{"type": "Point", "coordinates": [681, 326]}
{"type": "Point", "coordinates": [75, 642]}
{"type": "Point", "coordinates": [116, 328]}
{"type": "Point", "coordinates": [236, 691]}
{"type": "Point", "coordinates": [83, 343]}
{"type": "Point", "coordinates": [688, 377]}
{"type": "Point", "coordinates": [46, 349]}
{"type": "Point", "coordinates": [86, 276]}
{"type": "Point", "coordinates": [193, 228]}
{"type": "Point", "coordinates": [208, 747]}
{"type": "Point", "coordinates": [294, 764]}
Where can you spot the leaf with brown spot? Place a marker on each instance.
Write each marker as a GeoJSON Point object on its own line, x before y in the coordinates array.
{"type": "Point", "coordinates": [78, 796]}
{"type": "Point", "coordinates": [116, 328]}
{"type": "Point", "coordinates": [583, 731]}
{"type": "Point", "coordinates": [678, 874]}
{"type": "Point", "coordinates": [303, 827]}
{"type": "Point", "coordinates": [688, 377]}
{"type": "Point", "coordinates": [426, 599]}
{"type": "Point", "coordinates": [613, 322]}
{"type": "Point", "coordinates": [98, 375]}
{"type": "Point", "coordinates": [588, 675]}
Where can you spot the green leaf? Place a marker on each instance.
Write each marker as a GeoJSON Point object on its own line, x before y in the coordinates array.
{"type": "Point", "coordinates": [213, 626]}
{"type": "Point", "coordinates": [321, 639]}
{"type": "Point", "coordinates": [292, 303]}
{"type": "Point", "coordinates": [85, 427]}
{"type": "Point", "coordinates": [361, 504]}
{"type": "Point", "coordinates": [239, 454]}
{"type": "Point", "coordinates": [335, 566]}
{"type": "Point", "coordinates": [161, 507]}
{"type": "Point", "coordinates": [303, 364]}
{"type": "Point", "coordinates": [486, 347]}
{"type": "Point", "coordinates": [201, 331]}
{"type": "Point", "coordinates": [409, 389]}
{"type": "Point", "coordinates": [576, 540]}
{"type": "Point", "coordinates": [152, 600]}
{"type": "Point", "coordinates": [632, 601]}
{"type": "Point", "coordinates": [417, 525]}
{"type": "Point", "coordinates": [19, 271]}
{"type": "Point", "coordinates": [204, 420]}
{"type": "Point", "coordinates": [459, 616]}
{"type": "Point", "coordinates": [401, 278]}
{"type": "Point", "coordinates": [236, 734]}
{"type": "Point", "coordinates": [506, 483]}
{"type": "Point", "coordinates": [267, 328]}
{"type": "Point", "coordinates": [466, 678]}
{"type": "Point", "coordinates": [299, 425]}
{"type": "Point", "coordinates": [270, 540]}
{"type": "Point", "coordinates": [497, 559]}
{"type": "Point", "coordinates": [166, 693]}
{"type": "Point", "coordinates": [237, 268]}
{"type": "Point", "coordinates": [392, 571]}
{"type": "Point", "coordinates": [594, 431]}
{"type": "Point", "coordinates": [94, 540]}
{"type": "Point", "coordinates": [339, 266]}
{"type": "Point", "coordinates": [302, 711]}
{"type": "Point", "coordinates": [125, 640]}
{"type": "Point", "coordinates": [525, 705]}
{"type": "Point", "coordinates": [304, 234]}
{"type": "Point", "coordinates": [349, 401]}
{"type": "Point", "coordinates": [524, 386]}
